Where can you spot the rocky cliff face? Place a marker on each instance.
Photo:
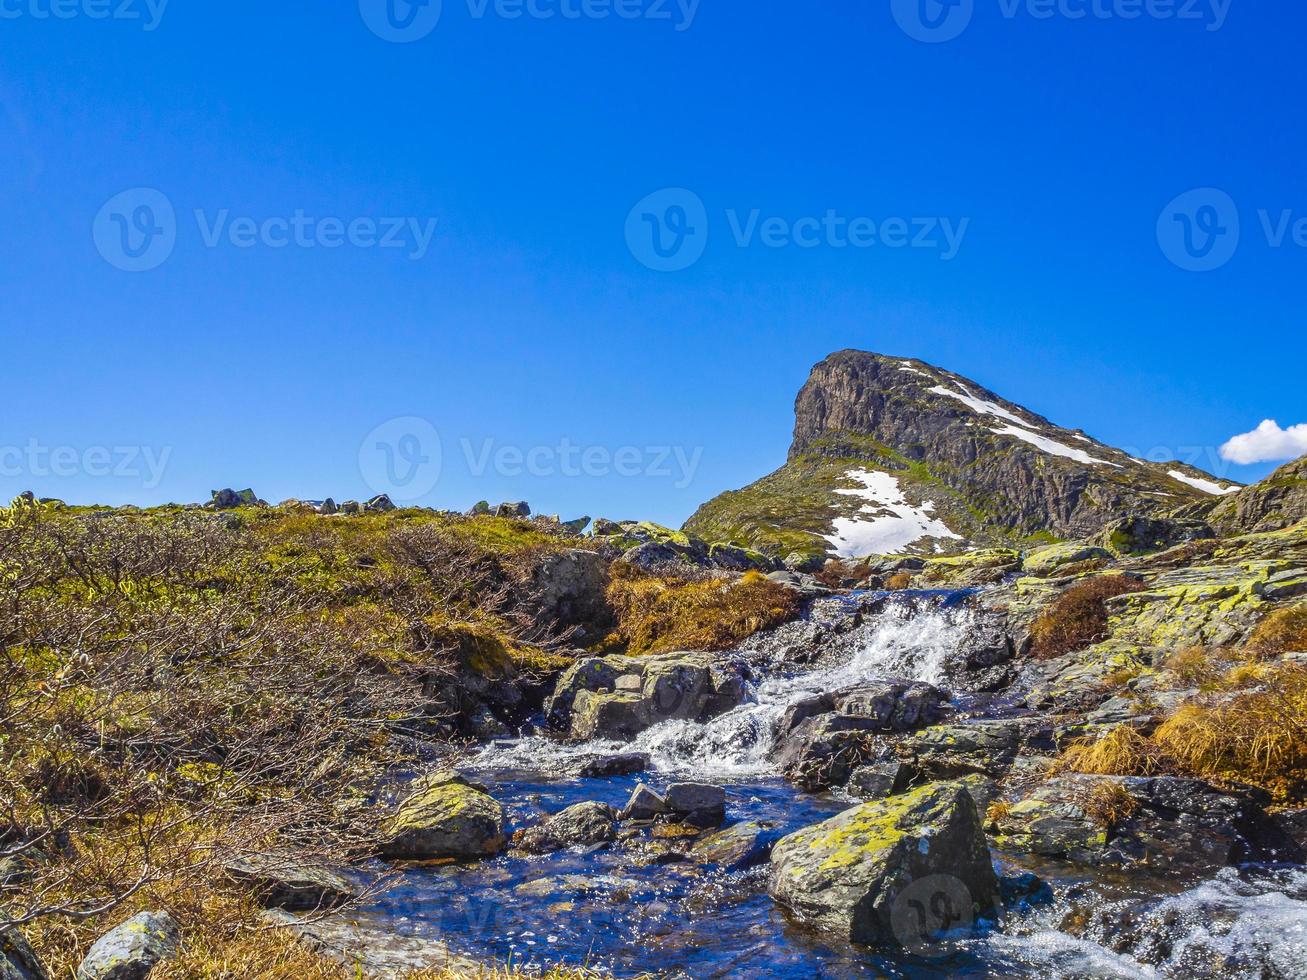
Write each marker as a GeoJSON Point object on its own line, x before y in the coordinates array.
{"type": "Point", "coordinates": [893, 455]}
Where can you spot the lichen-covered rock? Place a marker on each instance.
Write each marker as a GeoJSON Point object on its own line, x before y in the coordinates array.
{"type": "Point", "coordinates": [853, 874]}
{"type": "Point", "coordinates": [17, 961]}
{"type": "Point", "coordinates": [1142, 535]}
{"type": "Point", "coordinates": [1160, 822]}
{"type": "Point", "coordinates": [445, 817]}
{"type": "Point", "coordinates": [130, 951]}
{"type": "Point", "coordinates": [1045, 561]}
{"type": "Point", "coordinates": [578, 826]}
{"type": "Point", "coordinates": [284, 881]}
{"type": "Point", "coordinates": [736, 559]}
{"type": "Point", "coordinates": [952, 751]}
{"type": "Point", "coordinates": [661, 687]}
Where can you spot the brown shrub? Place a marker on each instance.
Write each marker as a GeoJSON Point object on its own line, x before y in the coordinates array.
{"type": "Point", "coordinates": [660, 613]}
{"type": "Point", "coordinates": [899, 581]}
{"type": "Point", "coordinates": [1078, 618]}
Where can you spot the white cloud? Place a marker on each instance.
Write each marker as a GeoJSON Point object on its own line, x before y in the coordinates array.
{"type": "Point", "coordinates": [1267, 443]}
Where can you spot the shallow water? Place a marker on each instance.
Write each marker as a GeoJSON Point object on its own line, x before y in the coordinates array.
{"type": "Point", "coordinates": [607, 909]}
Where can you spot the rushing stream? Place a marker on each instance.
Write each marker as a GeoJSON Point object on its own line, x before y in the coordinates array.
{"type": "Point", "coordinates": [602, 908]}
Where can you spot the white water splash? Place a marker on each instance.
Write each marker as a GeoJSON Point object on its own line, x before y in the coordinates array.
{"type": "Point", "coordinates": [901, 644]}
{"type": "Point", "coordinates": [1251, 924]}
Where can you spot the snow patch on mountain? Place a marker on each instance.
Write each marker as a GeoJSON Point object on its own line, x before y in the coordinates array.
{"type": "Point", "coordinates": [1206, 486]}
{"type": "Point", "coordinates": [979, 405]}
{"type": "Point", "coordinates": [890, 524]}
{"type": "Point", "coordinates": [1050, 446]}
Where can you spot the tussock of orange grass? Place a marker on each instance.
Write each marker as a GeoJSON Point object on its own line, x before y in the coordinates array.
{"type": "Point", "coordinates": [1256, 734]}
{"type": "Point", "coordinates": [1079, 616]}
{"type": "Point", "coordinates": [1122, 751]}
{"type": "Point", "coordinates": [1283, 631]}
{"type": "Point", "coordinates": [661, 613]}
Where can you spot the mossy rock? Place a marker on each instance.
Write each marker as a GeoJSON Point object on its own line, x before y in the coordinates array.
{"type": "Point", "coordinates": [445, 817]}
{"type": "Point", "coordinates": [1045, 561]}
{"type": "Point", "coordinates": [857, 874]}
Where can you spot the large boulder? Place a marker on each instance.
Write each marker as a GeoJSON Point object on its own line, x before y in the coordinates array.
{"type": "Point", "coordinates": [619, 697]}
{"type": "Point", "coordinates": [131, 950]}
{"type": "Point", "coordinates": [577, 826]}
{"type": "Point", "coordinates": [1142, 535]}
{"type": "Point", "coordinates": [863, 875]}
{"type": "Point", "coordinates": [446, 816]}
{"type": "Point", "coordinates": [17, 961]}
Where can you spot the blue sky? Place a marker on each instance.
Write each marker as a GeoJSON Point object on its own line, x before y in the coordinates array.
{"type": "Point", "coordinates": [517, 334]}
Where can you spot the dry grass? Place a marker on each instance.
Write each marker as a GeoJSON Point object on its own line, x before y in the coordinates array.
{"type": "Point", "coordinates": [658, 614]}
{"type": "Point", "coordinates": [899, 581]}
{"type": "Point", "coordinates": [1109, 804]}
{"type": "Point", "coordinates": [1078, 618]}
{"type": "Point", "coordinates": [1283, 631]}
{"type": "Point", "coordinates": [1120, 752]}
{"type": "Point", "coordinates": [1256, 733]}
{"type": "Point", "coordinates": [1196, 667]}
{"type": "Point", "coordinates": [1248, 727]}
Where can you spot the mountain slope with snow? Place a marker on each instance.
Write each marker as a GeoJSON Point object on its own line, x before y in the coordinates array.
{"type": "Point", "coordinates": [893, 455]}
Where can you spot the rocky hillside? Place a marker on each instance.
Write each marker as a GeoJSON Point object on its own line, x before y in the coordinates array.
{"type": "Point", "coordinates": [898, 456]}
{"type": "Point", "coordinates": [1278, 502]}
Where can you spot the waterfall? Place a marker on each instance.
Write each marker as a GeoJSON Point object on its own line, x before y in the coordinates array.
{"type": "Point", "coordinates": [900, 643]}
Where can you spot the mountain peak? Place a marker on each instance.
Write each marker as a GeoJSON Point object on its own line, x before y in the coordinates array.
{"type": "Point", "coordinates": [893, 454]}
